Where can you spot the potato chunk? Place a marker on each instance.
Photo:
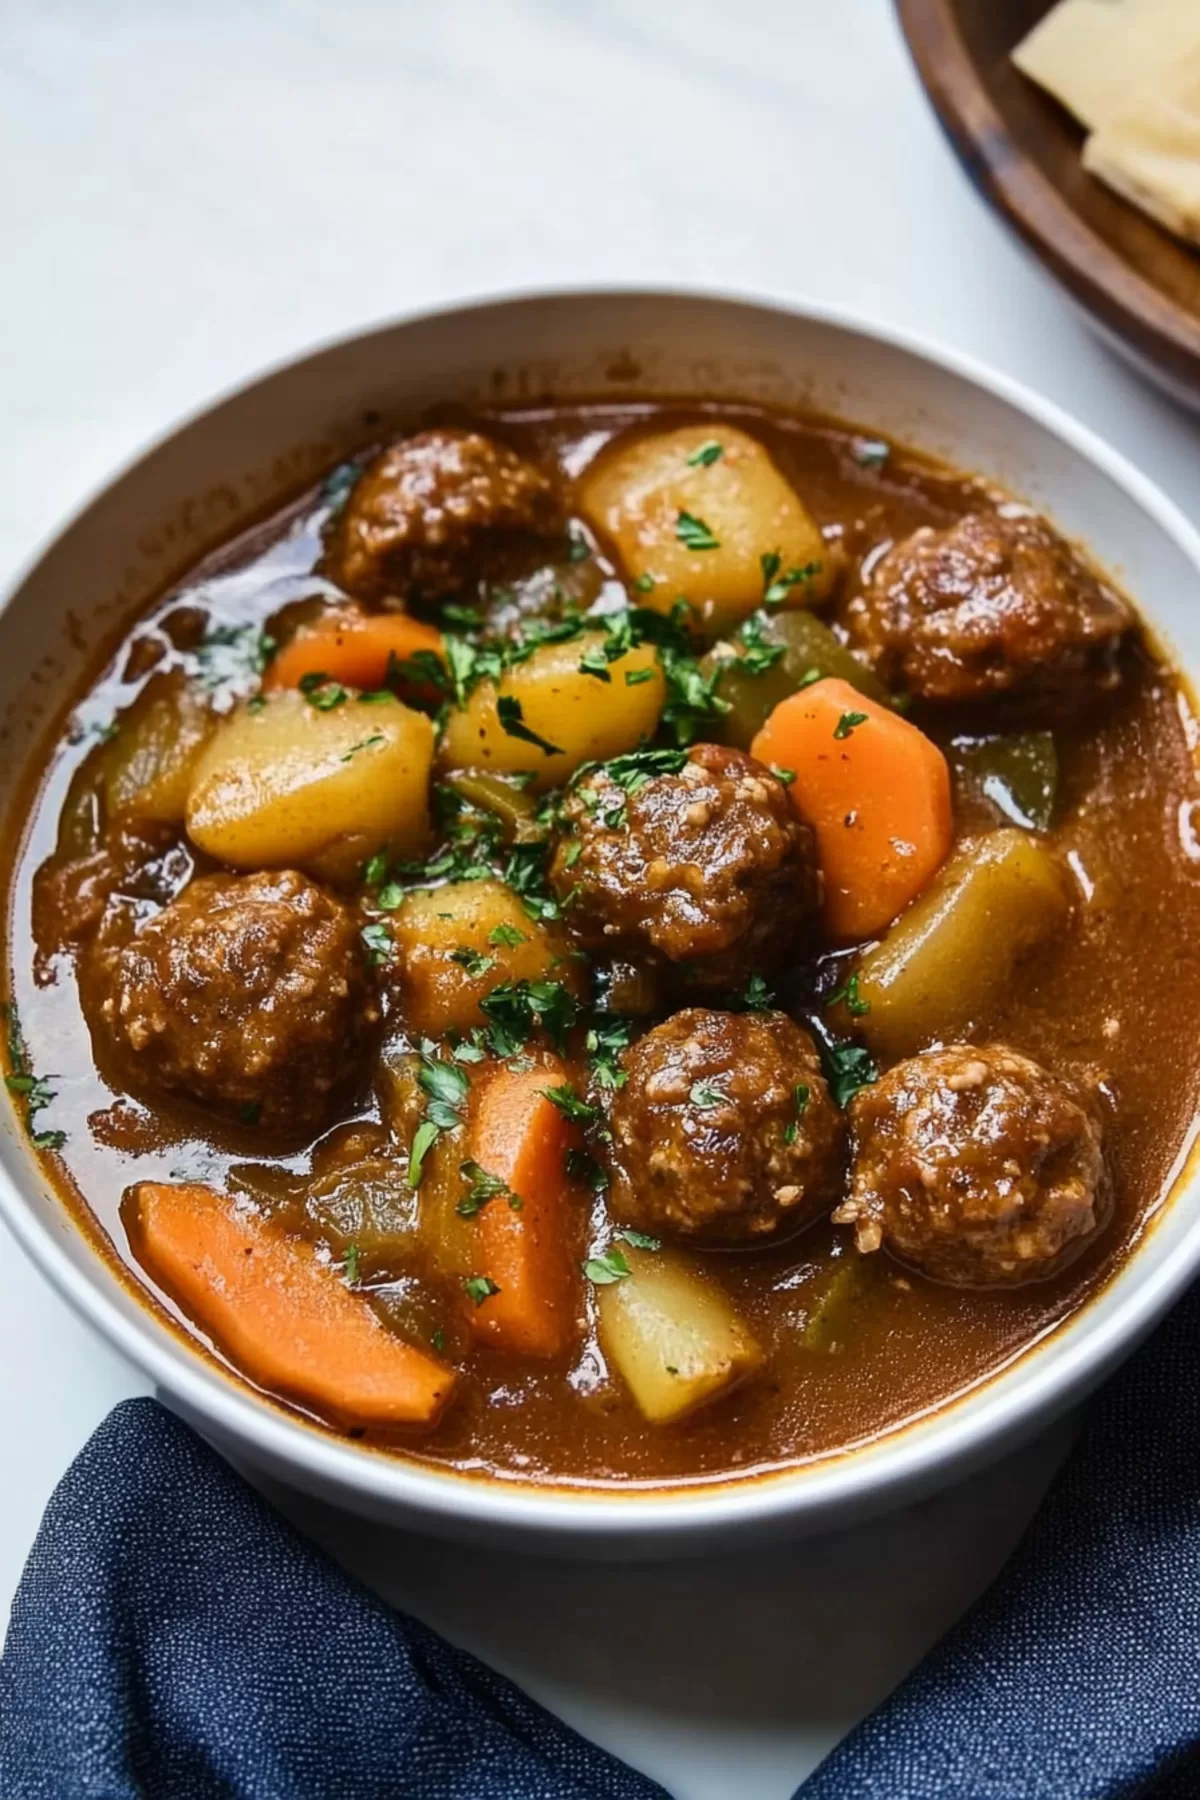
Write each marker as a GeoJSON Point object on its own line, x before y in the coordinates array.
{"type": "Point", "coordinates": [287, 785]}
{"type": "Point", "coordinates": [951, 955]}
{"type": "Point", "coordinates": [672, 1334]}
{"type": "Point", "coordinates": [579, 715]}
{"type": "Point", "coordinates": [149, 762]}
{"type": "Point", "coordinates": [698, 523]}
{"type": "Point", "coordinates": [456, 943]}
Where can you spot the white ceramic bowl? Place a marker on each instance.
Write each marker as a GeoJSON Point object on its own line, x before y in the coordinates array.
{"type": "Point", "coordinates": [201, 482]}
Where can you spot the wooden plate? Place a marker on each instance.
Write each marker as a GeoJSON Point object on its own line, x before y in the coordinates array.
{"type": "Point", "coordinates": [1139, 286]}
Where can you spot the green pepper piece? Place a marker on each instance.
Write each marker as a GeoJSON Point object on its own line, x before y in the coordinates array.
{"type": "Point", "coordinates": [514, 808]}
{"type": "Point", "coordinates": [810, 650]}
{"type": "Point", "coordinates": [1014, 776]}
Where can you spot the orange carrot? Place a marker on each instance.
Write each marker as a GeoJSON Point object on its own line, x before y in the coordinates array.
{"type": "Point", "coordinates": [876, 792]}
{"type": "Point", "coordinates": [524, 1250]}
{"type": "Point", "coordinates": [357, 649]}
{"type": "Point", "coordinates": [286, 1320]}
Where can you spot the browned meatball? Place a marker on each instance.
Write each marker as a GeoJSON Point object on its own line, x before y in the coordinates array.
{"type": "Point", "coordinates": [997, 604]}
{"type": "Point", "coordinates": [724, 1131]}
{"type": "Point", "coordinates": [709, 866]}
{"type": "Point", "coordinates": [424, 511]}
{"type": "Point", "coordinates": [977, 1167]}
{"type": "Point", "coordinates": [249, 994]}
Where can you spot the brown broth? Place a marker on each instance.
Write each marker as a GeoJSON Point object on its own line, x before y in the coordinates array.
{"type": "Point", "coordinates": [1118, 995]}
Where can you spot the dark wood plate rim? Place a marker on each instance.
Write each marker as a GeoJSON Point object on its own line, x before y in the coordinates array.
{"type": "Point", "coordinates": [1122, 299]}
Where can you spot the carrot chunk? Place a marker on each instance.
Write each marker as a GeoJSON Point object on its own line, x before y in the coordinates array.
{"type": "Point", "coordinates": [286, 1320]}
{"type": "Point", "coordinates": [360, 650]}
{"type": "Point", "coordinates": [876, 792]}
{"type": "Point", "coordinates": [525, 1235]}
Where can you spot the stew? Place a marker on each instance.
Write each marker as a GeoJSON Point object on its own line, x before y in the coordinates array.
{"type": "Point", "coordinates": [618, 943]}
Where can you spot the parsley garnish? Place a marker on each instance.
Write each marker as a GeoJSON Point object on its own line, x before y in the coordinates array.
{"type": "Point", "coordinates": [848, 1067]}
{"type": "Point", "coordinates": [786, 776]}
{"type": "Point", "coordinates": [605, 1041]}
{"type": "Point", "coordinates": [758, 653]}
{"type": "Point", "coordinates": [856, 1006]}
{"type": "Point", "coordinates": [706, 455]}
{"type": "Point", "coordinates": [507, 935]}
{"type": "Point", "coordinates": [480, 1288]}
{"type": "Point", "coordinates": [321, 691]}
{"type": "Point", "coordinates": [374, 871]}
{"type": "Point", "coordinates": [849, 722]}
{"type": "Point", "coordinates": [34, 1090]}
{"type": "Point", "coordinates": [704, 1095]}
{"type": "Point", "coordinates": [757, 996]}
{"type": "Point", "coordinates": [645, 584]}
{"type": "Point", "coordinates": [353, 1254]}
{"type": "Point", "coordinates": [579, 1166]}
{"type": "Point", "coordinates": [380, 943]}
{"type": "Point", "coordinates": [483, 1187]}
{"type": "Point", "coordinates": [367, 743]}
{"type": "Point", "coordinates": [777, 586]}
{"type": "Point", "coordinates": [233, 656]}
{"type": "Point", "coordinates": [508, 711]}
{"type": "Point", "coordinates": [610, 1266]}
{"type": "Point", "coordinates": [595, 662]}
{"type": "Point", "coordinates": [447, 1088]}
{"type": "Point", "coordinates": [694, 534]}
{"type": "Point", "coordinates": [570, 1105]}
{"type": "Point", "coordinates": [473, 961]}
{"type": "Point", "coordinates": [641, 1240]}
{"type": "Point", "coordinates": [517, 1009]}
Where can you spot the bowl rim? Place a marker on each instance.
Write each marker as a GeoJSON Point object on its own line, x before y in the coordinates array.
{"type": "Point", "coordinates": [1123, 301]}
{"type": "Point", "coordinates": [909, 1459]}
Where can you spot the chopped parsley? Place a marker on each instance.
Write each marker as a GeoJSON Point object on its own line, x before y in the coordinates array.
{"type": "Point", "coordinates": [635, 677]}
{"type": "Point", "coordinates": [508, 711]}
{"type": "Point", "coordinates": [33, 1090]}
{"type": "Point", "coordinates": [570, 1105]}
{"type": "Point", "coordinates": [482, 1188]}
{"type": "Point", "coordinates": [694, 534]}
{"type": "Point", "coordinates": [447, 1088]}
{"type": "Point", "coordinates": [758, 653]}
{"type": "Point", "coordinates": [645, 584]}
{"type": "Point", "coordinates": [473, 961]}
{"type": "Point", "coordinates": [479, 1288]}
{"type": "Point", "coordinates": [706, 1096]}
{"type": "Point", "coordinates": [437, 1340]}
{"type": "Point", "coordinates": [375, 869]}
{"type": "Point", "coordinates": [380, 943]}
{"type": "Point", "coordinates": [705, 455]}
{"type": "Point", "coordinates": [641, 1240]}
{"type": "Point", "coordinates": [856, 1006]}
{"type": "Point", "coordinates": [610, 1266]}
{"type": "Point", "coordinates": [321, 691]}
{"type": "Point", "coordinates": [849, 721]}
{"type": "Point", "coordinates": [779, 582]}
{"type": "Point", "coordinates": [605, 1041]}
{"type": "Point", "coordinates": [506, 935]}
{"type": "Point", "coordinates": [232, 657]}
{"type": "Point", "coordinates": [595, 662]}
{"type": "Point", "coordinates": [757, 996]}
{"type": "Point", "coordinates": [791, 1131]}
{"type": "Point", "coordinates": [517, 1009]}
{"type": "Point", "coordinates": [579, 1166]}
{"type": "Point", "coordinates": [352, 1259]}
{"type": "Point", "coordinates": [787, 776]}
{"type": "Point", "coordinates": [367, 743]}
{"type": "Point", "coordinates": [848, 1067]}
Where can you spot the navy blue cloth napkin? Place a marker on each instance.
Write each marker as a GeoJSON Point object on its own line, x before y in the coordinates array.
{"type": "Point", "coordinates": [173, 1637]}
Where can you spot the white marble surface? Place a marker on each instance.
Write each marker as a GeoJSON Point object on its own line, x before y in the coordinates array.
{"type": "Point", "coordinates": [195, 187]}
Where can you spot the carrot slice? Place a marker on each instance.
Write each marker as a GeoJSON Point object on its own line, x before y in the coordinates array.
{"type": "Point", "coordinates": [286, 1320]}
{"type": "Point", "coordinates": [524, 1251]}
{"type": "Point", "coordinates": [357, 649]}
{"type": "Point", "coordinates": [876, 792]}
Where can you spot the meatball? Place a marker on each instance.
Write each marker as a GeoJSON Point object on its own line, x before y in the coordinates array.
{"type": "Point", "coordinates": [248, 994]}
{"type": "Point", "coordinates": [422, 514]}
{"type": "Point", "coordinates": [709, 867]}
{"type": "Point", "coordinates": [997, 604]}
{"type": "Point", "coordinates": [976, 1167]}
{"type": "Point", "coordinates": [724, 1131]}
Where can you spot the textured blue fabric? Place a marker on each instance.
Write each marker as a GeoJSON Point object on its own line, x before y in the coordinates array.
{"type": "Point", "coordinates": [1077, 1675]}
{"type": "Point", "coordinates": [174, 1639]}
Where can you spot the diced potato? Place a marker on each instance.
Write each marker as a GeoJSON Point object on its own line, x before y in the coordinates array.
{"type": "Point", "coordinates": [456, 943]}
{"type": "Point", "coordinates": [659, 497]}
{"type": "Point", "coordinates": [150, 760]}
{"type": "Point", "coordinates": [287, 785]}
{"type": "Point", "coordinates": [951, 955]}
{"type": "Point", "coordinates": [582, 717]}
{"type": "Point", "coordinates": [673, 1335]}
